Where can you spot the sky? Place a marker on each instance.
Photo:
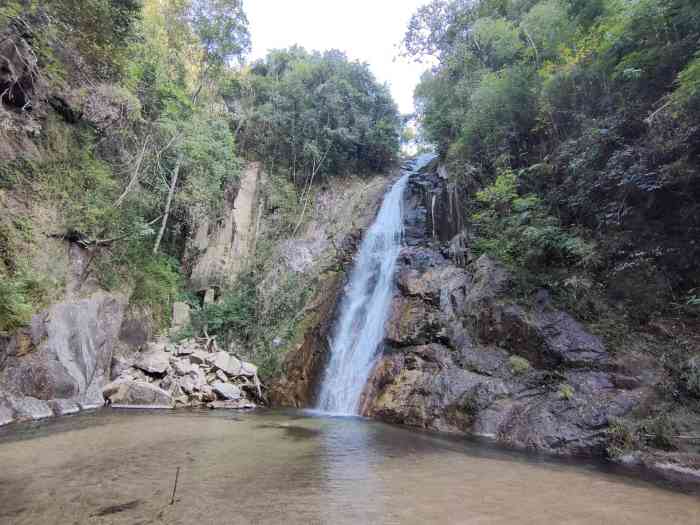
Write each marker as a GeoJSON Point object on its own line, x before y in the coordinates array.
{"type": "Point", "coordinates": [367, 30]}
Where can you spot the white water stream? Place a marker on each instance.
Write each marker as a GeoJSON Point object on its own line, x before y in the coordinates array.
{"type": "Point", "coordinates": [359, 331]}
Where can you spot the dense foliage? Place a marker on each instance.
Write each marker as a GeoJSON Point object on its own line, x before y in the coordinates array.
{"type": "Point", "coordinates": [587, 111]}
{"type": "Point", "coordinates": [309, 113]}
{"type": "Point", "coordinates": [141, 114]}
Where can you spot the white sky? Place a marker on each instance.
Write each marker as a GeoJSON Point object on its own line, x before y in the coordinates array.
{"type": "Point", "coordinates": [367, 30]}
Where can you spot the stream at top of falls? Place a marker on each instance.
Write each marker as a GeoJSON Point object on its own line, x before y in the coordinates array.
{"type": "Point", "coordinates": [359, 330]}
{"type": "Point", "coordinates": [117, 467]}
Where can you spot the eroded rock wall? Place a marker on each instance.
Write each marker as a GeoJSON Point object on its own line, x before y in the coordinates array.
{"type": "Point", "coordinates": [220, 251]}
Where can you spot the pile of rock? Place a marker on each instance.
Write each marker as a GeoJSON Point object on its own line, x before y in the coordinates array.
{"type": "Point", "coordinates": [188, 374]}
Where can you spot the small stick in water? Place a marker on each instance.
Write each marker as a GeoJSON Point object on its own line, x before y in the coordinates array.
{"type": "Point", "coordinates": [177, 475]}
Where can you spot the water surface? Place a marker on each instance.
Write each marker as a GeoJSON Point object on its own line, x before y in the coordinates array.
{"type": "Point", "coordinates": [286, 467]}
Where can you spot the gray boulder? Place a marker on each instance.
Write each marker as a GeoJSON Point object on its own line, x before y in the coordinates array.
{"type": "Point", "coordinates": [7, 413]}
{"type": "Point", "coordinates": [64, 407]}
{"type": "Point", "coordinates": [199, 357]}
{"type": "Point", "coordinates": [68, 351]}
{"type": "Point", "coordinates": [238, 404]}
{"type": "Point", "coordinates": [181, 318]}
{"type": "Point", "coordinates": [181, 367]}
{"type": "Point", "coordinates": [153, 362]}
{"type": "Point", "coordinates": [227, 390]}
{"type": "Point", "coordinates": [226, 362]}
{"type": "Point", "coordinates": [26, 407]}
{"type": "Point", "coordinates": [248, 369]}
{"type": "Point", "coordinates": [137, 394]}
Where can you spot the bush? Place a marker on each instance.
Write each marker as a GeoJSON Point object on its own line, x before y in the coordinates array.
{"type": "Point", "coordinates": [519, 365]}
{"type": "Point", "coordinates": [518, 230]}
{"type": "Point", "coordinates": [15, 310]}
{"type": "Point", "coordinates": [621, 438]}
{"type": "Point", "coordinates": [157, 283]}
{"type": "Point", "coordinates": [566, 392]}
{"type": "Point", "coordinates": [234, 316]}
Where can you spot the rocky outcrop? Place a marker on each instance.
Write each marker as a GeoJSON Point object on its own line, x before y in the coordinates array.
{"type": "Point", "coordinates": [169, 375]}
{"type": "Point", "coordinates": [220, 251]}
{"type": "Point", "coordinates": [461, 356]}
{"type": "Point", "coordinates": [62, 361]}
{"type": "Point", "coordinates": [304, 365]}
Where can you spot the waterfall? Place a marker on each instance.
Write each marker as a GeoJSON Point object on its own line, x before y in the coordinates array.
{"type": "Point", "coordinates": [359, 331]}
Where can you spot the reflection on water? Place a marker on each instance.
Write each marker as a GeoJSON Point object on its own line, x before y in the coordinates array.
{"type": "Point", "coordinates": [273, 467]}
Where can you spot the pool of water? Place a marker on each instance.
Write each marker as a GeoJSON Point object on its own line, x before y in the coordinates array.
{"type": "Point", "coordinates": [294, 467]}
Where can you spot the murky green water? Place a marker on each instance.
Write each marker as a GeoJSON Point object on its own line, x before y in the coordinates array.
{"type": "Point", "coordinates": [119, 467]}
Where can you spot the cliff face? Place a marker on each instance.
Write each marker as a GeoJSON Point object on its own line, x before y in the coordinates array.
{"type": "Point", "coordinates": [220, 251]}
{"type": "Point", "coordinates": [463, 354]}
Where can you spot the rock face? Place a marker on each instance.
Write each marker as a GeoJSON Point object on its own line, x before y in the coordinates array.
{"type": "Point", "coordinates": [63, 360]}
{"type": "Point", "coordinates": [304, 365]}
{"type": "Point", "coordinates": [221, 250]}
{"type": "Point", "coordinates": [460, 356]}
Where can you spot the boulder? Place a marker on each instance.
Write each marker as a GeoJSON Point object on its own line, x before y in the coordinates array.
{"type": "Point", "coordinates": [64, 407]}
{"type": "Point", "coordinates": [248, 369]}
{"type": "Point", "coordinates": [153, 362]}
{"type": "Point", "coordinates": [187, 384]}
{"type": "Point", "coordinates": [181, 318]}
{"type": "Point", "coordinates": [222, 376]}
{"type": "Point", "coordinates": [239, 404]}
{"type": "Point", "coordinates": [120, 365]}
{"type": "Point", "coordinates": [199, 357]}
{"type": "Point", "coordinates": [182, 367]}
{"type": "Point", "coordinates": [226, 362]}
{"type": "Point", "coordinates": [137, 394]}
{"type": "Point", "coordinates": [69, 351]}
{"type": "Point", "coordinates": [227, 390]}
{"type": "Point", "coordinates": [7, 413]}
{"type": "Point", "coordinates": [26, 407]}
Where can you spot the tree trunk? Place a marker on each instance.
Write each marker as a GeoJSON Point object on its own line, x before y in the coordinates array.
{"type": "Point", "coordinates": [168, 203]}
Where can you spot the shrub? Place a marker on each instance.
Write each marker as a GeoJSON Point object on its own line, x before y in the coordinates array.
{"type": "Point", "coordinates": [519, 365]}
{"type": "Point", "coordinates": [566, 392]}
{"type": "Point", "coordinates": [621, 438]}
{"type": "Point", "coordinates": [234, 316]}
{"type": "Point", "coordinates": [15, 310]}
{"type": "Point", "coordinates": [157, 283]}
{"type": "Point", "coordinates": [518, 230]}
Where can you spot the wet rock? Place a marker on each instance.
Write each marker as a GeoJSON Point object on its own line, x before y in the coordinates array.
{"type": "Point", "coordinates": [64, 407]}
{"type": "Point", "coordinates": [154, 362]}
{"type": "Point", "coordinates": [225, 362]}
{"type": "Point", "coordinates": [227, 390]}
{"type": "Point", "coordinates": [7, 413]}
{"type": "Point", "coordinates": [411, 323]}
{"type": "Point", "coordinates": [137, 394]}
{"type": "Point", "coordinates": [238, 404]}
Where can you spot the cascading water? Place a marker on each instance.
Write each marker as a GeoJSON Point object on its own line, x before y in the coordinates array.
{"type": "Point", "coordinates": [365, 306]}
